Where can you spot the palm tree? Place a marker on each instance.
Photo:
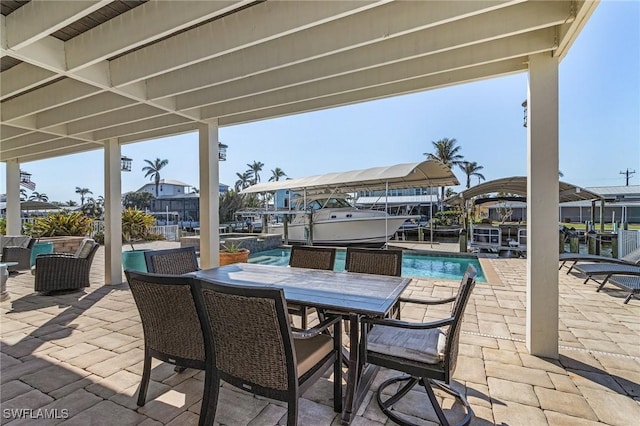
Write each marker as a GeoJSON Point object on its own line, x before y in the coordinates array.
{"type": "Point", "coordinates": [82, 192]}
{"type": "Point", "coordinates": [471, 168]}
{"type": "Point", "coordinates": [255, 168]}
{"type": "Point", "coordinates": [36, 196]}
{"type": "Point", "coordinates": [447, 152]}
{"type": "Point", "coordinates": [23, 194]}
{"type": "Point", "coordinates": [153, 170]}
{"type": "Point", "coordinates": [243, 181]}
{"type": "Point", "coordinates": [70, 203]}
{"type": "Point", "coordinates": [277, 174]}
{"type": "Point", "coordinates": [560, 174]}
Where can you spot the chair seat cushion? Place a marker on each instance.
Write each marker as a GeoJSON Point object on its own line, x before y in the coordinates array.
{"type": "Point", "coordinates": [310, 351]}
{"type": "Point", "coordinates": [425, 346]}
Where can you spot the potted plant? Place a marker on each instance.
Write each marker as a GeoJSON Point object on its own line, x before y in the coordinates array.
{"type": "Point", "coordinates": [135, 227]}
{"type": "Point", "coordinates": [232, 252]}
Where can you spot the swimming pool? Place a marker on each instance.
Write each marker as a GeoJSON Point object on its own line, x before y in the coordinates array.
{"type": "Point", "coordinates": [413, 264]}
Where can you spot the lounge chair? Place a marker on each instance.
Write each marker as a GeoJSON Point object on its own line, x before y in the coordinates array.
{"type": "Point", "coordinates": [630, 259]}
{"type": "Point", "coordinates": [625, 282]}
{"type": "Point", "coordinates": [65, 271]}
{"type": "Point", "coordinates": [16, 249]}
{"type": "Point", "coordinates": [592, 270]}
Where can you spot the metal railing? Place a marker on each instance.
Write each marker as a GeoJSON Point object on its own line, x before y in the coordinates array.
{"type": "Point", "coordinates": [628, 241]}
{"type": "Point", "coordinates": [170, 232]}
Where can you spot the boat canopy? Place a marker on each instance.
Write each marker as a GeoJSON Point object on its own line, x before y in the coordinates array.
{"type": "Point", "coordinates": [408, 175]}
{"type": "Point", "coordinates": [517, 185]}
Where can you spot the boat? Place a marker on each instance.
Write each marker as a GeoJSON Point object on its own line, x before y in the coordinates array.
{"type": "Point", "coordinates": [336, 222]}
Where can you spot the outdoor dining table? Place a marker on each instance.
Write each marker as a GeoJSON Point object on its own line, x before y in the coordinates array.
{"type": "Point", "coordinates": [353, 295]}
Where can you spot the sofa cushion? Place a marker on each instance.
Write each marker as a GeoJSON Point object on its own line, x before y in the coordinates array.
{"type": "Point", "coordinates": [85, 248]}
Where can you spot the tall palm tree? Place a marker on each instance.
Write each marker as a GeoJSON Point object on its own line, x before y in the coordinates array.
{"type": "Point", "coordinates": [277, 174]}
{"type": "Point", "coordinates": [255, 169]}
{"type": "Point", "coordinates": [36, 196]}
{"type": "Point", "coordinates": [448, 153]}
{"type": "Point", "coordinates": [471, 168]}
{"type": "Point", "coordinates": [244, 180]}
{"type": "Point", "coordinates": [82, 192]}
{"type": "Point", "coordinates": [153, 170]}
{"type": "Point", "coordinates": [23, 194]}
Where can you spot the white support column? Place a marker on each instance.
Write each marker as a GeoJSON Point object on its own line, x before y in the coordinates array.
{"type": "Point", "coordinates": [14, 225]}
{"type": "Point", "coordinates": [209, 196]}
{"type": "Point", "coordinates": [112, 214]}
{"type": "Point", "coordinates": [542, 201]}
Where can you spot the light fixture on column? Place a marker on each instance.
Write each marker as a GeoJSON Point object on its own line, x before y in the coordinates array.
{"type": "Point", "coordinates": [524, 105]}
{"type": "Point", "coordinates": [222, 151]}
{"type": "Point", "coordinates": [25, 180]}
{"type": "Point", "coordinates": [125, 163]}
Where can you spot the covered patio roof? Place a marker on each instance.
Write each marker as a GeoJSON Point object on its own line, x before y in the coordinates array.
{"type": "Point", "coordinates": [76, 74]}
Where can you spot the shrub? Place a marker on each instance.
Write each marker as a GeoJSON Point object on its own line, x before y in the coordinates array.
{"type": "Point", "coordinates": [136, 225]}
{"type": "Point", "coordinates": [60, 224]}
{"type": "Point", "coordinates": [152, 236]}
{"type": "Point", "coordinates": [99, 238]}
{"type": "Point", "coordinates": [3, 226]}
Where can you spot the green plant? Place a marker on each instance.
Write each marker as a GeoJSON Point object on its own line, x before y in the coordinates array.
{"type": "Point", "coordinates": [232, 246]}
{"type": "Point", "coordinates": [152, 236]}
{"type": "Point", "coordinates": [62, 224]}
{"type": "Point", "coordinates": [3, 226]}
{"type": "Point", "coordinates": [99, 238]}
{"type": "Point", "coordinates": [136, 225]}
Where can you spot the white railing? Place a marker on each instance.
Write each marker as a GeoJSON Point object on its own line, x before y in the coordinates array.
{"type": "Point", "coordinates": [98, 226]}
{"type": "Point", "coordinates": [170, 232]}
{"type": "Point", "coordinates": [628, 241]}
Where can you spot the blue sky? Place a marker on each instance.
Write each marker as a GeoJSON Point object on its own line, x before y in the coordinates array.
{"type": "Point", "coordinates": [599, 126]}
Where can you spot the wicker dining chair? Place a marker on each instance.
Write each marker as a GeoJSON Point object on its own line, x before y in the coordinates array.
{"type": "Point", "coordinates": [425, 352]}
{"type": "Point", "coordinates": [176, 261]}
{"type": "Point", "coordinates": [65, 271]}
{"type": "Point", "coordinates": [374, 261]}
{"type": "Point", "coordinates": [172, 331]}
{"type": "Point", "coordinates": [310, 257]}
{"type": "Point", "coordinates": [250, 344]}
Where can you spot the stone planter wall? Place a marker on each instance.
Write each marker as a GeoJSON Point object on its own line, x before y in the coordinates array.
{"type": "Point", "coordinates": [63, 244]}
{"type": "Point", "coordinates": [253, 242]}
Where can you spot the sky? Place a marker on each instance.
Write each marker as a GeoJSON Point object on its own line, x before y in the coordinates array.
{"type": "Point", "coordinates": [599, 127]}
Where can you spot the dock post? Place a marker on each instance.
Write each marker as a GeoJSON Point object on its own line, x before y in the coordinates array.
{"type": "Point", "coordinates": [285, 223]}
{"type": "Point", "coordinates": [614, 246]}
{"type": "Point", "coordinates": [591, 242]}
{"type": "Point", "coordinates": [574, 243]}
{"type": "Point", "coordinates": [463, 240]}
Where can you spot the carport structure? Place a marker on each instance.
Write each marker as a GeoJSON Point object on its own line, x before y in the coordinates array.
{"type": "Point", "coordinates": [85, 75]}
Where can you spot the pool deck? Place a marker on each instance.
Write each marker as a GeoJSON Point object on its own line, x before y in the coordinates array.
{"type": "Point", "coordinates": [83, 352]}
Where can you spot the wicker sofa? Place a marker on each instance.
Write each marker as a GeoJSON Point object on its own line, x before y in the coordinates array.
{"type": "Point", "coordinates": [16, 249]}
{"type": "Point", "coordinates": [65, 271]}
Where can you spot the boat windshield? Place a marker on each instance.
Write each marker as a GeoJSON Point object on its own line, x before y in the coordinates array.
{"type": "Point", "coordinates": [329, 203]}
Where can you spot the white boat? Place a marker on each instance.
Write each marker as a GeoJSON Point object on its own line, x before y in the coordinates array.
{"type": "Point", "coordinates": [336, 222]}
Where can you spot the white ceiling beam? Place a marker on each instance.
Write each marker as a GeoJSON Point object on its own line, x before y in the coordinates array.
{"type": "Point", "coordinates": [29, 140]}
{"type": "Point", "coordinates": [8, 132]}
{"type": "Point", "coordinates": [114, 118]}
{"type": "Point", "coordinates": [56, 94]}
{"type": "Point", "coordinates": [493, 51]}
{"type": "Point", "coordinates": [393, 20]}
{"type": "Point", "coordinates": [82, 109]}
{"type": "Point", "coordinates": [58, 148]}
{"type": "Point", "coordinates": [124, 32]}
{"type": "Point", "coordinates": [23, 77]}
{"type": "Point", "coordinates": [474, 30]}
{"type": "Point", "coordinates": [160, 133]}
{"type": "Point", "coordinates": [257, 24]}
{"type": "Point", "coordinates": [38, 19]}
{"type": "Point", "coordinates": [138, 127]}
{"type": "Point", "coordinates": [371, 93]}
{"type": "Point", "coordinates": [569, 33]}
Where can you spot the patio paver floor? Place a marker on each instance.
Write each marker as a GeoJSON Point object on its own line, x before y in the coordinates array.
{"type": "Point", "coordinates": [81, 353]}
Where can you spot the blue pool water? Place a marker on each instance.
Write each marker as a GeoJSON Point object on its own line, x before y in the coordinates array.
{"type": "Point", "coordinates": [413, 264]}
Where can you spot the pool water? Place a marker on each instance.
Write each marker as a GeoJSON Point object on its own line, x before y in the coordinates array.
{"type": "Point", "coordinates": [413, 264]}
